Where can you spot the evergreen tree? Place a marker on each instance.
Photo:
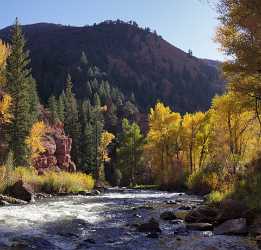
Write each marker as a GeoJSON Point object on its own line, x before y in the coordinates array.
{"type": "Point", "coordinates": [96, 100]}
{"type": "Point", "coordinates": [87, 143]}
{"type": "Point", "coordinates": [98, 124]}
{"type": "Point", "coordinates": [60, 107]}
{"type": "Point", "coordinates": [71, 120]}
{"type": "Point", "coordinates": [129, 152]}
{"type": "Point", "coordinates": [53, 108]}
{"type": "Point", "coordinates": [22, 88]}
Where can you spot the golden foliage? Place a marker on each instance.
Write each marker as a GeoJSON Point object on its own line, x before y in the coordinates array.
{"type": "Point", "coordinates": [4, 53]}
{"type": "Point", "coordinates": [34, 140]}
{"type": "Point", "coordinates": [5, 104]}
{"type": "Point", "coordinates": [106, 139]}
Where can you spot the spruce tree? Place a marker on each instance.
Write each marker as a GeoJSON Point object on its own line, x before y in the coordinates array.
{"type": "Point", "coordinates": [71, 120]}
{"type": "Point", "coordinates": [22, 88]}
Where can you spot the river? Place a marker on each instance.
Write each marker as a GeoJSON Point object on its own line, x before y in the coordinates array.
{"type": "Point", "coordinates": [105, 222]}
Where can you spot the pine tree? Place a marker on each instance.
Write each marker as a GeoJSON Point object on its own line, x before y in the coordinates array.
{"type": "Point", "coordinates": [87, 143]}
{"type": "Point", "coordinates": [53, 108]}
{"type": "Point", "coordinates": [21, 87]}
{"type": "Point", "coordinates": [71, 120]}
{"type": "Point", "coordinates": [60, 107]}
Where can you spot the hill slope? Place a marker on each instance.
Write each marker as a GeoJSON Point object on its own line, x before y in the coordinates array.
{"type": "Point", "coordinates": [135, 60]}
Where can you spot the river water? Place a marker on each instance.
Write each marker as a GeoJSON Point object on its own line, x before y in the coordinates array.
{"type": "Point", "coordinates": [105, 222]}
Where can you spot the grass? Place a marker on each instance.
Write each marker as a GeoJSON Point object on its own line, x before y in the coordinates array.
{"type": "Point", "coordinates": [50, 182]}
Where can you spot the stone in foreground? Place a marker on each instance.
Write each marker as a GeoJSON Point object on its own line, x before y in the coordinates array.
{"type": "Point", "coordinates": [232, 227]}
{"type": "Point", "coordinates": [200, 226]}
{"type": "Point", "coordinates": [152, 226]}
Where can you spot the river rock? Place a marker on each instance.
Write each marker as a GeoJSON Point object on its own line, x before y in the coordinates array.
{"type": "Point", "coordinates": [168, 215]}
{"type": "Point", "coordinates": [186, 207]}
{"type": "Point", "coordinates": [203, 214]}
{"type": "Point", "coordinates": [10, 200]}
{"type": "Point", "coordinates": [153, 235]}
{"type": "Point", "coordinates": [200, 226]}
{"type": "Point", "coordinates": [258, 241]}
{"type": "Point", "coordinates": [152, 226]}
{"type": "Point", "coordinates": [232, 227]}
{"type": "Point", "coordinates": [231, 209]}
{"type": "Point", "coordinates": [22, 191]}
{"type": "Point", "coordinates": [181, 214]}
{"type": "Point", "coordinates": [4, 203]}
{"type": "Point", "coordinates": [255, 227]}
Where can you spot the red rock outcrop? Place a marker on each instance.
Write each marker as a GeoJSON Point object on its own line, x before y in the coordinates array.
{"type": "Point", "coordinates": [58, 147]}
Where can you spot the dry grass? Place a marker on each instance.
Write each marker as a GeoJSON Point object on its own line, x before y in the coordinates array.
{"type": "Point", "coordinates": [50, 182]}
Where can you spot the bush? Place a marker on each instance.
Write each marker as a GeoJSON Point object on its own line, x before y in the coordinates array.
{"type": "Point", "coordinates": [208, 179]}
{"type": "Point", "coordinates": [50, 182]}
{"type": "Point", "coordinates": [248, 190]}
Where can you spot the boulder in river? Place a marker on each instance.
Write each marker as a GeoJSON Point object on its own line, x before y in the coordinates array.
{"type": "Point", "coordinates": [232, 227]}
{"type": "Point", "coordinates": [231, 209]}
{"type": "Point", "coordinates": [255, 227]}
{"type": "Point", "coordinates": [203, 214]}
{"type": "Point", "coordinates": [152, 226]}
{"type": "Point", "coordinates": [168, 215]}
{"type": "Point", "coordinates": [200, 226]}
{"type": "Point", "coordinates": [7, 200]}
{"type": "Point", "coordinates": [22, 191]}
{"type": "Point", "coordinates": [181, 214]}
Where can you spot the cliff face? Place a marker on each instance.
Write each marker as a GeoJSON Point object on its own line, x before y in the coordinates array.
{"type": "Point", "coordinates": [57, 154]}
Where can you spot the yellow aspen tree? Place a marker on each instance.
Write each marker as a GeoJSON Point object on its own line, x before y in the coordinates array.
{"type": "Point", "coordinates": [34, 140]}
{"type": "Point", "coordinates": [163, 126]}
{"type": "Point", "coordinates": [192, 124]}
{"type": "Point", "coordinates": [106, 139]}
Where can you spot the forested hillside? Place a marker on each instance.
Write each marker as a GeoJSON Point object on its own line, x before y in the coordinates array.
{"type": "Point", "coordinates": [134, 60]}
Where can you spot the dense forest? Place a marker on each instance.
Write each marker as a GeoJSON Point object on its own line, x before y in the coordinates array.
{"type": "Point", "coordinates": [100, 111]}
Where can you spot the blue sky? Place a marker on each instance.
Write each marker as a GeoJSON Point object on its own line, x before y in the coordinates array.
{"type": "Point", "coordinates": [187, 24]}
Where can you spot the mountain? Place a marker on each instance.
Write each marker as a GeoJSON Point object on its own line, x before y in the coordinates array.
{"type": "Point", "coordinates": [138, 62]}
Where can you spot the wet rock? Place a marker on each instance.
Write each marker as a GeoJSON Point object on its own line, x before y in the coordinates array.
{"type": "Point", "coordinates": [181, 214]}
{"type": "Point", "coordinates": [22, 191]}
{"type": "Point", "coordinates": [153, 235]}
{"type": "Point", "coordinates": [182, 231]}
{"type": "Point", "coordinates": [96, 192]}
{"type": "Point", "coordinates": [171, 202]}
{"type": "Point", "coordinates": [146, 207]}
{"type": "Point", "coordinates": [176, 222]}
{"type": "Point", "coordinates": [230, 209]}
{"type": "Point", "coordinates": [200, 226]}
{"type": "Point", "coordinates": [91, 241]}
{"type": "Point", "coordinates": [258, 241]}
{"type": "Point", "coordinates": [186, 207]}
{"type": "Point", "coordinates": [11, 200]}
{"type": "Point", "coordinates": [255, 227]}
{"type": "Point", "coordinates": [4, 203]}
{"type": "Point", "coordinates": [203, 214]}
{"type": "Point", "coordinates": [232, 227]}
{"type": "Point", "coordinates": [152, 226]}
{"type": "Point", "coordinates": [168, 215]}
